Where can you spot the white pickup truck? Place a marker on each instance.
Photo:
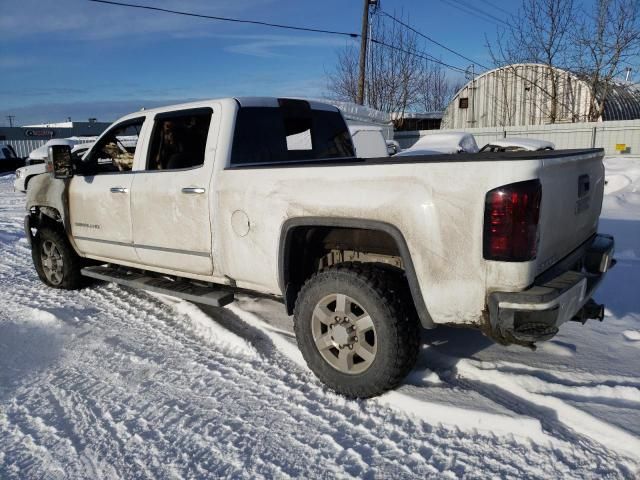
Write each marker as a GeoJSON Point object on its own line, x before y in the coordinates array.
{"type": "Point", "coordinates": [266, 195]}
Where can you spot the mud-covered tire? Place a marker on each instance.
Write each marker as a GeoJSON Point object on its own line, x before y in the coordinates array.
{"type": "Point", "coordinates": [68, 277]}
{"type": "Point", "coordinates": [383, 295]}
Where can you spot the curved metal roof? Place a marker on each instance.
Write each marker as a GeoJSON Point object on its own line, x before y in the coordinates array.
{"type": "Point", "coordinates": [622, 102]}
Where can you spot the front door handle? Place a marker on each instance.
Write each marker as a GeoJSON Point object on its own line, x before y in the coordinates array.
{"type": "Point", "coordinates": [119, 190]}
{"type": "Point", "coordinates": [191, 190]}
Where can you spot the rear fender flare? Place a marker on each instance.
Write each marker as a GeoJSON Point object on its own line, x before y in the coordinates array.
{"type": "Point", "coordinates": [284, 256]}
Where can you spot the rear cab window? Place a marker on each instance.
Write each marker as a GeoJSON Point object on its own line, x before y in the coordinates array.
{"type": "Point", "coordinates": [290, 133]}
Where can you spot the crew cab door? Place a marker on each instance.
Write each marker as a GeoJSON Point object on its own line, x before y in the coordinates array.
{"type": "Point", "coordinates": [100, 194]}
{"type": "Point", "coordinates": [170, 199]}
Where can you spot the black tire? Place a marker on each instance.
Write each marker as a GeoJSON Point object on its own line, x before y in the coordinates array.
{"type": "Point", "coordinates": [383, 294]}
{"type": "Point", "coordinates": [69, 277]}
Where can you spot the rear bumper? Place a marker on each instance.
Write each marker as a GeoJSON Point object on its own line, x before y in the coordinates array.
{"type": "Point", "coordinates": [561, 294]}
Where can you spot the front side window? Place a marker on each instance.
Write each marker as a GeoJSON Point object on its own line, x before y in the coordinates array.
{"type": "Point", "coordinates": [179, 139]}
{"type": "Point", "coordinates": [289, 133]}
{"type": "Point", "coordinates": [115, 151]}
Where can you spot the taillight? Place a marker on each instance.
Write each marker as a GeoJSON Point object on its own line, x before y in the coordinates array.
{"type": "Point", "coordinates": [511, 214]}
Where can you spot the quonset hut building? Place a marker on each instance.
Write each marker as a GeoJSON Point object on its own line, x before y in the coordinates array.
{"type": "Point", "coordinates": [519, 95]}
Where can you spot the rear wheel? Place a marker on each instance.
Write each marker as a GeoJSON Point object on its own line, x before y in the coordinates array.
{"type": "Point", "coordinates": [56, 263]}
{"type": "Point", "coordinates": [356, 329]}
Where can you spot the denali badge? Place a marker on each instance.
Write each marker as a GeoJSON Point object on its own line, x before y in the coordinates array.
{"type": "Point", "coordinates": [87, 225]}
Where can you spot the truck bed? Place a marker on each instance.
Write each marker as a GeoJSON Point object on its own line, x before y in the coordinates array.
{"type": "Point", "coordinates": [444, 158]}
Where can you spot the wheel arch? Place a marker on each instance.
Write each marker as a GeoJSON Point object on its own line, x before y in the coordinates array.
{"type": "Point", "coordinates": [290, 287]}
{"type": "Point", "coordinates": [48, 194]}
{"type": "Point", "coordinates": [41, 216]}
{"type": "Point", "coordinates": [27, 179]}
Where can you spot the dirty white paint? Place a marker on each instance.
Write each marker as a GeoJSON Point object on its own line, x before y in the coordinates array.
{"type": "Point", "coordinates": [438, 208]}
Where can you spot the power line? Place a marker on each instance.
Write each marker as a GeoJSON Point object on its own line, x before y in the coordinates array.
{"type": "Point", "coordinates": [432, 40]}
{"type": "Point", "coordinates": [491, 4]}
{"type": "Point", "coordinates": [226, 19]}
{"type": "Point", "coordinates": [277, 25]}
{"type": "Point", "coordinates": [479, 10]}
{"type": "Point", "coordinates": [472, 10]}
{"type": "Point", "coordinates": [422, 55]}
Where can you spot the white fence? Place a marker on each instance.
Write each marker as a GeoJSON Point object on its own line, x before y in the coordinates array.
{"type": "Point", "coordinates": [617, 138]}
{"type": "Point", "coordinates": [24, 147]}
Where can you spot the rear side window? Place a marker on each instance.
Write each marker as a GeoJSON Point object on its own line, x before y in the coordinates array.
{"type": "Point", "coordinates": [289, 133]}
{"type": "Point", "coordinates": [179, 139]}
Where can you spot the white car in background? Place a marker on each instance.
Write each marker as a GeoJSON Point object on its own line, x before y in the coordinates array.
{"type": "Point", "coordinates": [36, 162]}
{"type": "Point", "coordinates": [369, 141]}
{"type": "Point", "coordinates": [39, 155]}
{"type": "Point", "coordinates": [516, 144]}
{"type": "Point", "coordinates": [442, 143]}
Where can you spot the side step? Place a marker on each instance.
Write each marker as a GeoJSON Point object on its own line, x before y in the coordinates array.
{"type": "Point", "coordinates": [213, 296]}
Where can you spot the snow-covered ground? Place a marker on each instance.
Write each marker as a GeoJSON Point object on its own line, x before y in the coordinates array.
{"type": "Point", "coordinates": [110, 383]}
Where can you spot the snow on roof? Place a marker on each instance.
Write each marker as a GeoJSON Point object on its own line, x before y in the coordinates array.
{"type": "Point", "coordinates": [353, 111]}
{"type": "Point", "coordinates": [417, 115]}
{"type": "Point", "coordinates": [436, 143]}
{"type": "Point", "coordinates": [525, 143]}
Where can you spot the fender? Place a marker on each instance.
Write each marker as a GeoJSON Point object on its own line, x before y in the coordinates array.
{"type": "Point", "coordinates": [285, 243]}
{"type": "Point", "coordinates": [46, 191]}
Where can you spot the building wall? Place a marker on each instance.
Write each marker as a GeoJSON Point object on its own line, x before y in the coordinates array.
{"type": "Point", "coordinates": [24, 147]}
{"type": "Point", "coordinates": [517, 95]}
{"type": "Point", "coordinates": [26, 139]}
{"type": "Point", "coordinates": [79, 129]}
{"type": "Point", "coordinates": [607, 135]}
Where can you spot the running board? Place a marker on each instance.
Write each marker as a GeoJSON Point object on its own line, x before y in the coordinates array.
{"type": "Point", "coordinates": [184, 289]}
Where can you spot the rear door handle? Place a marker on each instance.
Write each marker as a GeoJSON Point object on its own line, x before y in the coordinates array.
{"type": "Point", "coordinates": [119, 190]}
{"type": "Point", "coordinates": [191, 190]}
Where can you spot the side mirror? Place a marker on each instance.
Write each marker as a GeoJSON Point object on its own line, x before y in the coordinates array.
{"type": "Point", "coordinates": [59, 162]}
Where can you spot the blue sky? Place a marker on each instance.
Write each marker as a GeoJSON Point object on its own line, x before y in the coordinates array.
{"type": "Point", "coordinates": [75, 58]}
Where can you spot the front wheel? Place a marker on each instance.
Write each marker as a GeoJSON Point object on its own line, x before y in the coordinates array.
{"type": "Point", "coordinates": [356, 329]}
{"type": "Point", "coordinates": [56, 263]}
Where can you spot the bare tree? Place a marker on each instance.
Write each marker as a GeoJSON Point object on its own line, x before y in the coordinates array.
{"type": "Point", "coordinates": [398, 78]}
{"type": "Point", "coordinates": [607, 39]}
{"type": "Point", "coordinates": [394, 69]}
{"type": "Point", "coordinates": [541, 32]}
{"type": "Point", "coordinates": [343, 81]}
{"type": "Point", "coordinates": [436, 88]}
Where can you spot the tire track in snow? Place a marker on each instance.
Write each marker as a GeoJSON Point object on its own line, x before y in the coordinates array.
{"type": "Point", "coordinates": [138, 393]}
{"type": "Point", "coordinates": [165, 336]}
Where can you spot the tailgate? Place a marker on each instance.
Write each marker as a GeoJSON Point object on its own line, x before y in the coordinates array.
{"type": "Point", "coordinates": [572, 190]}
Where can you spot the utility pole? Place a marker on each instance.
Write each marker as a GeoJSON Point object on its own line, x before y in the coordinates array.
{"type": "Point", "coordinates": [363, 51]}
{"type": "Point", "coordinates": [473, 95]}
{"type": "Point", "coordinates": [10, 118]}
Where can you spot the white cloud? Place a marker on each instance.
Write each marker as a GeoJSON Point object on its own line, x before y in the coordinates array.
{"type": "Point", "coordinates": [266, 46]}
{"type": "Point", "coordinates": [93, 21]}
{"type": "Point", "coordinates": [271, 45]}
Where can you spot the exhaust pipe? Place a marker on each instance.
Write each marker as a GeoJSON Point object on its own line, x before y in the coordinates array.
{"type": "Point", "coordinates": [590, 310]}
